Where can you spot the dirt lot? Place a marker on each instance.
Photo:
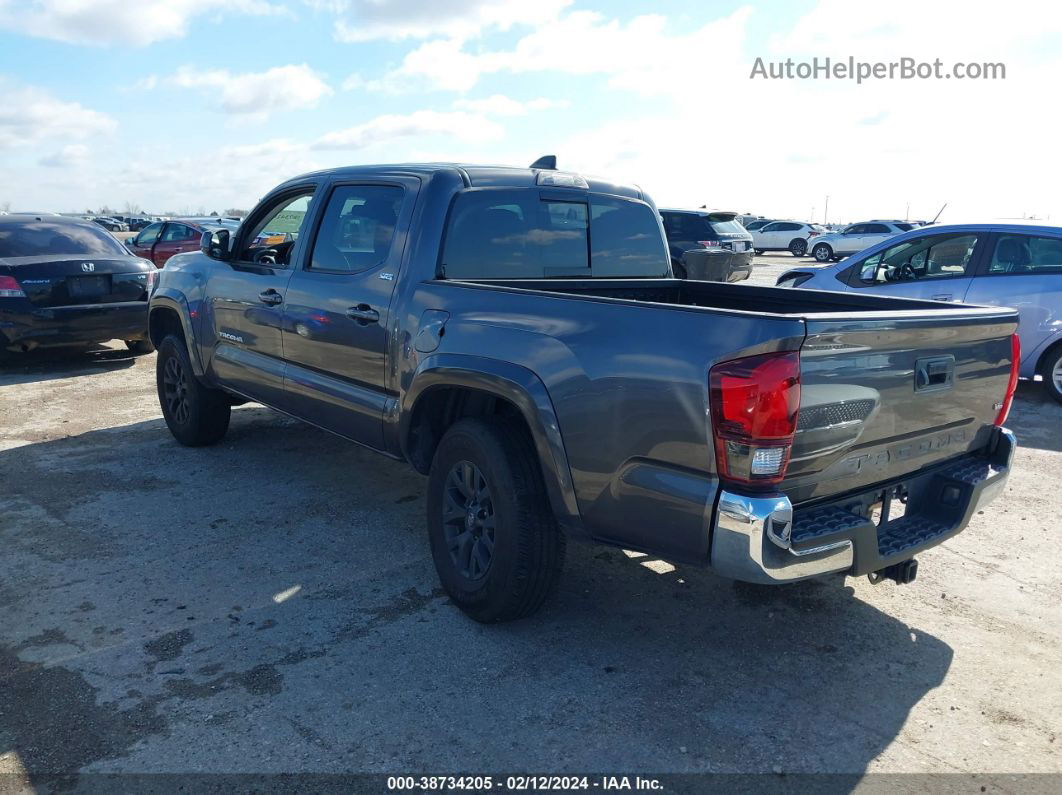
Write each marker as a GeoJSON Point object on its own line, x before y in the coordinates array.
{"type": "Point", "coordinates": [270, 605]}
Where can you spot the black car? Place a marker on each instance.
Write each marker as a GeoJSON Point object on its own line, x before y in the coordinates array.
{"type": "Point", "coordinates": [111, 224]}
{"type": "Point", "coordinates": [708, 245]}
{"type": "Point", "coordinates": [65, 281]}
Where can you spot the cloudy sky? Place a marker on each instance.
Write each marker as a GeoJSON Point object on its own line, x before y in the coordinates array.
{"type": "Point", "coordinates": [206, 104]}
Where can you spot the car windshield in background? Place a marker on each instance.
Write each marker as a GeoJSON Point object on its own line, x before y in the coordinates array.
{"type": "Point", "coordinates": [518, 234]}
{"type": "Point", "coordinates": [904, 227]}
{"type": "Point", "coordinates": [45, 238]}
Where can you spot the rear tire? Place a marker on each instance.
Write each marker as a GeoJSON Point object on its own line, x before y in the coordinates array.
{"type": "Point", "coordinates": [195, 414]}
{"type": "Point", "coordinates": [494, 540]}
{"type": "Point", "coordinates": [1052, 373]}
{"type": "Point", "coordinates": [759, 252]}
{"type": "Point", "coordinates": [139, 347]}
{"type": "Point", "coordinates": [798, 247]}
{"type": "Point", "coordinates": [822, 252]}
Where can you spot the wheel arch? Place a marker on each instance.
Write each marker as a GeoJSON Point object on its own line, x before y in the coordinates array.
{"type": "Point", "coordinates": [169, 314]}
{"type": "Point", "coordinates": [449, 387]}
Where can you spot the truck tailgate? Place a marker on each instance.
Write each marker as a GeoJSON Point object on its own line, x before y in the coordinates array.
{"type": "Point", "coordinates": [884, 395]}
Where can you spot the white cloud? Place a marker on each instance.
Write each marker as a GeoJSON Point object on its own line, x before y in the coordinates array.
{"type": "Point", "coordinates": [258, 94]}
{"type": "Point", "coordinates": [583, 43]}
{"type": "Point", "coordinates": [30, 116]}
{"type": "Point", "coordinates": [69, 156]}
{"type": "Point", "coordinates": [462, 126]}
{"type": "Point", "coordinates": [501, 105]}
{"type": "Point", "coordinates": [105, 22]}
{"type": "Point", "coordinates": [364, 20]}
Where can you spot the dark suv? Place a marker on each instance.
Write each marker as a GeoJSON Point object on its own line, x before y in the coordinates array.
{"type": "Point", "coordinates": [708, 245]}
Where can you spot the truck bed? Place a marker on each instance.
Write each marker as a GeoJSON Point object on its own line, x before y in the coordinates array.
{"type": "Point", "coordinates": [739, 297]}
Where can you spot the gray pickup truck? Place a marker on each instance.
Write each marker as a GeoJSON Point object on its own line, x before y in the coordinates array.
{"type": "Point", "coordinates": [516, 335]}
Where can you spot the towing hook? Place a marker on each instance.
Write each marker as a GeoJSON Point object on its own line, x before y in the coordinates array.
{"type": "Point", "coordinates": [900, 573]}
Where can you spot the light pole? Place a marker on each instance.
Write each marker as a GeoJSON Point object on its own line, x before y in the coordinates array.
{"type": "Point", "coordinates": [826, 212]}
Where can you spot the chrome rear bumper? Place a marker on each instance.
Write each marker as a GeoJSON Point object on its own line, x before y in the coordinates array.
{"type": "Point", "coordinates": [761, 539]}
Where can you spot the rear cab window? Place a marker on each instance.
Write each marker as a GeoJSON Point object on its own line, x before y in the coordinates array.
{"type": "Point", "coordinates": [542, 234]}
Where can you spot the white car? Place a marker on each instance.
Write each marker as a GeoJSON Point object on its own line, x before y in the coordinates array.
{"type": "Point", "coordinates": [855, 237]}
{"type": "Point", "coordinates": [791, 236]}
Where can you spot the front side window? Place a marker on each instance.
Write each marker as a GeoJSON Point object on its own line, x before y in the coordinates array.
{"type": "Point", "coordinates": [149, 235]}
{"type": "Point", "coordinates": [44, 238]}
{"type": "Point", "coordinates": [357, 229]}
{"type": "Point", "coordinates": [277, 229]}
{"type": "Point", "coordinates": [875, 229]}
{"type": "Point", "coordinates": [175, 233]}
{"type": "Point", "coordinates": [1026, 254]}
{"type": "Point", "coordinates": [936, 257]}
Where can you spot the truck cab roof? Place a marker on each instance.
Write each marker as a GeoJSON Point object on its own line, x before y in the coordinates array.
{"type": "Point", "coordinates": [473, 176]}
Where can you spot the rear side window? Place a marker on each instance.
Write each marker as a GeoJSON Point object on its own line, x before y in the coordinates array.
{"type": "Point", "coordinates": [1026, 254]}
{"type": "Point", "coordinates": [357, 229]}
{"type": "Point", "coordinates": [625, 239]}
{"type": "Point", "coordinates": [521, 234]}
{"type": "Point", "coordinates": [43, 238]}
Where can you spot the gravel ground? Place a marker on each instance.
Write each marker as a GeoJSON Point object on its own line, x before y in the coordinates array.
{"type": "Point", "coordinates": [269, 605]}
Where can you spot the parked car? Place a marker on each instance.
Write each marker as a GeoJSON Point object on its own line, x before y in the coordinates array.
{"type": "Point", "coordinates": [161, 240]}
{"type": "Point", "coordinates": [110, 224]}
{"type": "Point", "coordinates": [855, 237]}
{"type": "Point", "coordinates": [791, 236]}
{"type": "Point", "coordinates": [1006, 264]}
{"type": "Point", "coordinates": [65, 281]}
{"type": "Point", "coordinates": [517, 336]}
{"type": "Point", "coordinates": [752, 226]}
{"type": "Point", "coordinates": [707, 245]}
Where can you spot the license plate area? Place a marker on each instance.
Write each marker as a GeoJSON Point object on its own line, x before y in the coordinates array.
{"type": "Point", "coordinates": [88, 286]}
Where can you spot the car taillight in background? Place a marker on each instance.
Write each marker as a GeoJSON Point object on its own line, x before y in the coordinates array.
{"type": "Point", "coordinates": [10, 288]}
{"type": "Point", "coordinates": [1012, 382]}
{"type": "Point", "coordinates": [152, 280]}
{"type": "Point", "coordinates": [754, 403]}
{"type": "Point", "coordinates": [812, 233]}
{"type": "Point", "coordinates": [709, 243]}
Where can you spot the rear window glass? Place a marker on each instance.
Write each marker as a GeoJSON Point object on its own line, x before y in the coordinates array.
{"type": "Point", "coordinates": [519, 234]}
{"type": "Point", "coordinates": [45, 238]}
{"type": "Point", "coordinates": [905, 227]}
{"type": "Point", "coordinates": [726, 227]}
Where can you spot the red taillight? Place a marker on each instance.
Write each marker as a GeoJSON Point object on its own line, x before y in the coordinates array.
{"type": "Point", "coordinates": [812, 233]}
{"type": "Point", "coordinates": [10, 288]}
{"type": "Point", "coordinates": [1012, 382]}
{"type": "Point", "coordinates": [709, 243]}
{"type": "Point", "coordinates": [754, 403]}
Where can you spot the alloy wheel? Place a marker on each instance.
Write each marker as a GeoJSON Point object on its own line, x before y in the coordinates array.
{"type": "Point", "coordinates": [468, 520]}
{"type": "Point", "coordinates": [175, 390]}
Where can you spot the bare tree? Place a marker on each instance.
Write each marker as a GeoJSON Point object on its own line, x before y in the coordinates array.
{"type": "Point", "coordinates": [132, 208]}
{"type": "Point", "coordinates": [5, 206]}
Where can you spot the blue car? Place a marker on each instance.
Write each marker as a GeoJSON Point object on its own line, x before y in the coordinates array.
{"type": "Point", "coordinates": [1003, 264]}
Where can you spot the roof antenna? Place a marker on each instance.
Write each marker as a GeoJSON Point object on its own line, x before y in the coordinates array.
{"type": "Point", "coordinates": [547, 162]}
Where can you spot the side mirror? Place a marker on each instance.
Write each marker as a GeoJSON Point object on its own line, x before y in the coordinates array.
{"type": "Point", "coordinates": [216, 244]}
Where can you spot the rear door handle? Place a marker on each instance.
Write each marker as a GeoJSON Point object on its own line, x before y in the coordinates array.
{"type": "Point", "coordinates": [270, 296]}
{"type": "Point", "coordinates": [364, 314]}
{"type": "Point", "coordinates": [941, 297]}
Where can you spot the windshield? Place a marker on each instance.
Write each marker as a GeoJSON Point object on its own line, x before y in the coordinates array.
{"type": "Point", "coordinates": [46, 238]}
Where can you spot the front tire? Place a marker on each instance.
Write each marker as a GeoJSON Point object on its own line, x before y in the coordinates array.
{"type": "Point", "coordinates": [195, 414]}
{"type": "Point", "coordinates": [1052, 372]}
{"type": "Point", "coordinates": [139, 347]}
{"type": "Point", "coordinates": [822, 252]}
{"type": "Point", "coordinates": [495, 543]}
{"type": "Point", "coordinates": [798, 247]}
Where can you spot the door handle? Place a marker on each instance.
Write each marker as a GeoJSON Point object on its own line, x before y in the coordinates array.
{"type": "Point", "coordinates": [363, 314]}
{"type": "Point", "coordinates": [941, 297]}
{"type": "Point", "coordinates": [270, 296]}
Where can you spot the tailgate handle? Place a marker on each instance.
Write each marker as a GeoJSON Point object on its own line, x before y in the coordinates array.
{"type": "Point", "coordinates": [934, 374]}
